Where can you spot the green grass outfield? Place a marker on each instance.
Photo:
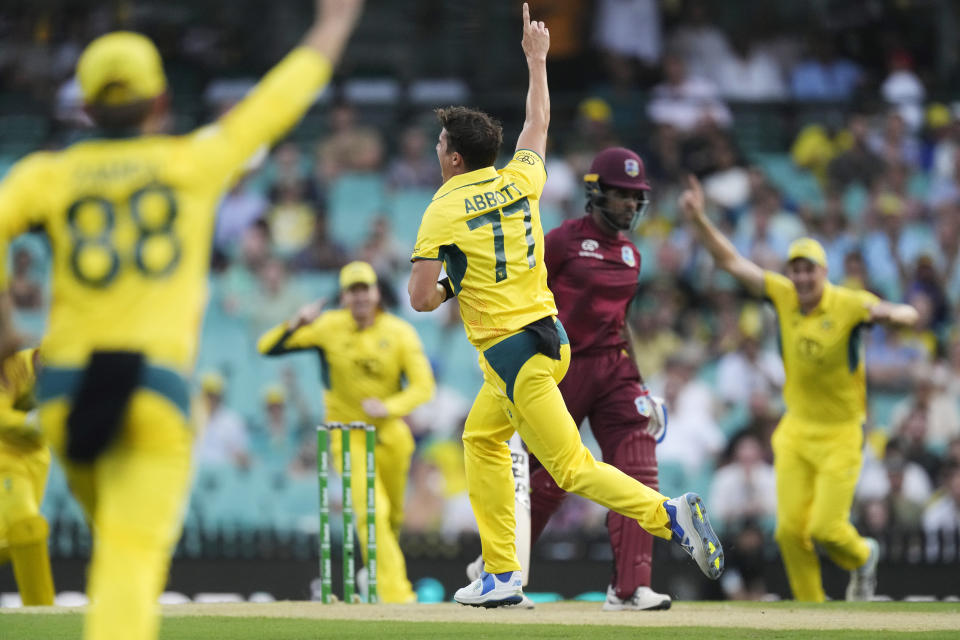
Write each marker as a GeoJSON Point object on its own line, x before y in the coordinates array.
{"type": "Point", "coordinates": [704, 621]}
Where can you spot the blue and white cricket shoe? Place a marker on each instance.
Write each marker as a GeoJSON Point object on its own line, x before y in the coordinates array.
{"type": "Point", "coordinates": [492, 590]}
{"type": "Point", "coordinates": [692, 531]}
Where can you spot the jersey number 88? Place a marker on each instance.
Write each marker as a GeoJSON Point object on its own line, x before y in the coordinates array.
{"type": "Point", "coordinates": [95, 260]}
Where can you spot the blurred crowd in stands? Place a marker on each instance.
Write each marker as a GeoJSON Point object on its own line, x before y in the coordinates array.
{"type": "Point", "coordinates": [869, 165]}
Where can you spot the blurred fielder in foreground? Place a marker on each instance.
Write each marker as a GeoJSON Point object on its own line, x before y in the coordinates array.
{"type": "Point", "coordinates": [130, 218]}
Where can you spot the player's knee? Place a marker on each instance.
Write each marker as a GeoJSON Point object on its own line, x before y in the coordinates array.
{"type": "Point", "coordinates": [544, 488]}
{"type": "Point", "coordinates": [27, 531]}
{"type": "Point", "coordinates": [788, 532]}
{"type": "Point", "coordinates": [827, 532]}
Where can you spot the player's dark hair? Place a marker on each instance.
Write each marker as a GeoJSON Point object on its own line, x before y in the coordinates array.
{"type": "Point", "coordinates": [473, 134]}
{"type": "Point", "coordinates": [120, 117]}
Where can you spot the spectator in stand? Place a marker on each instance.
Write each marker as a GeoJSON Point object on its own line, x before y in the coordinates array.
{"type": "Point", "coordinates": [896, 144]}
{"type": "Point", "coordinates": [693, 439]}
{"type": "Point", "coordinates": [749, 370]}
{"type": "Point", "coordinates": [699, 42]}
{"type": "Point", "coordinates": [946, 147]}
{"type": "Point", "coordinates": [239, 209]}
{"type": "Point", "coordinates": [823, 75]}
{"type": "Point", "coordinates": [888, 245]}
{"type": "Point", "coordinates": [745, 488]}
{"type": "Point", "coordinates": [26, 292]}
{"type": "Point", "coordinates": [910, 436]}
{"type": "Point", "coordinates": [382, 250]}
{"type": "Point", "coordinates": [855, 274]}
{"type": "Point", "coordinates": [941, 519]}
{"type": "Point", "coordinates": [414, 167]}
{"type": "Point", "coordinates": [224, 438]}
{"type": "Point", "coordinates": [858, 164]}
{"type": "Point", "coordinates": [931, 398]}
{"type": "Point", "coordinates": [890, 360]}
{"type": "Point", "coordinates": [322, 253]}
{"type": "Point", "coordinates": [291, 219]}
{"type": "Point", "coordinates": [946, 253]}
{"type": "Point", "coordinates": [901, 486]}
{"type": "Point", "coordinates": [686, 102]}
{"type": "Point", "coordinates": [903, 89]}
{"type": "Point", "coordinates": [627, 33]}
{"type": "Point", "coordinates": [349, 147]}
{"type": "Point", "coordinates": [832, 233]}
{"type": "Point", "coordinates": [748, 73]}
{"type": "Point", "coordinates": [276, 434]}
{"type": "Point", "coordinates": [240, 279]}
{"type": "Point", "coordinates": [766, 231]}
{"type": "Point", "coordinates": [274, 299]}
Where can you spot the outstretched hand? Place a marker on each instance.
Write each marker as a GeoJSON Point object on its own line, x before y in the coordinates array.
{"type": "Point", "coordinates": [691, 201]}
{"type": "Point", "coordinates": [345, 11]}
{"type": "Point", "coordinates": [536, 37]}
{"type": "Point", "coordinates": [306, 314]}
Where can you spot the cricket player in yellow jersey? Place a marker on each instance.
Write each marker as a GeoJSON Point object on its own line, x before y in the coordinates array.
{"type": "Point", "coordinates": [817, 445]}
{"type": "Point", "coordinates": [366, 355]}
{"type": "Point", "coordinates": [130, 216]}
{"type": "Point", "coordinates": [24, 462]}
{"type": "Point", "coordinates": [483, 225]}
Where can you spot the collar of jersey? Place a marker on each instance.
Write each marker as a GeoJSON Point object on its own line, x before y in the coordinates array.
{"type": "Point", "coordinates": [826, 300]}
{"type": "Point", "coordinates": [467, 179]}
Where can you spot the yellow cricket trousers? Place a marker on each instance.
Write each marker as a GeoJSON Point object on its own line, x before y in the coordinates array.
{"type": "Point", "coordinates": [134, 496]}
{"type": "Point", "coordinates": [817, 466]}
{"type": "Point", "coordinates": [393, 452]}
{"type": "Point", "coordinates": [520, 393]}
{"type": "Point", "coordinates": [23, 530]}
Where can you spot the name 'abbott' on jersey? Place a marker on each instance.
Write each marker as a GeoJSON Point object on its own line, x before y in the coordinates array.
{"type": "Point", "coordinates": [485, 227]}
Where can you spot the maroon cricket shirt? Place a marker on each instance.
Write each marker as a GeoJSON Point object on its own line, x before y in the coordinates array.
{"type": "Point", "coordinates": [593, 277]}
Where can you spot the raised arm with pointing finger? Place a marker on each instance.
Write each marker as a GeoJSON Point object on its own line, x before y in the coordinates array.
{"type": "Point", "coordinates": [536, 43]}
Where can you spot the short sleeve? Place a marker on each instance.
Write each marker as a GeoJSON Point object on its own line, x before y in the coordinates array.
{"type": "Point", "coordinates": [19, 206]}
{"type": "Point", "coordinates": [527, 170]}
{"type": "Point", "coordinates": [779, 290]}
{"type": "Point", "coordinates": [432, 235]}
{"type": "Point", "coordinates": [862, 301]}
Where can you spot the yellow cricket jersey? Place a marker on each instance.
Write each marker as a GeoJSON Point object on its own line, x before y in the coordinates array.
{"type": "Point", "coordinates": [16, 400]}
{"type": "Point", "coordinates": [485, 227]}
{"type": "Point", "coordinates": [130, 221]}
{"type": "Point", "coordinates": [384, 361]}
{"type": "Point", "coordinates": [822, 351]}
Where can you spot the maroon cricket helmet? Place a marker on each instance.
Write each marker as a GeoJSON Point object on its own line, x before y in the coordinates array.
{"type": "Point", "coordinates": [618, 167]}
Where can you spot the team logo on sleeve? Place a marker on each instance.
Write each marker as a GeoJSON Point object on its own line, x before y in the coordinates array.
{"type": "Point", "coordinates": [527, 158]}
{"type": "Point", "coordinates": [628, 258]}
{"type": "Point", "coordinates": [631, 167]}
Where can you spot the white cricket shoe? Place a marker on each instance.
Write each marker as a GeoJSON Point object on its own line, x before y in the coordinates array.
{"type": "Point", "coordinates": [692, 531]}
{"type": "Point", "coordinates": [492, 590]}
{"type": "Point", "coordinates": [643, 599]}
{"type": "Point", "coordinates": [863, 580]}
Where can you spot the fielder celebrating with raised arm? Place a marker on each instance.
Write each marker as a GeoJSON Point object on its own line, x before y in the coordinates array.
{"type": "Point", "coordinates": [483, 225]}
{"type": "Point", "coordinates": [817, 446]}
{"type": "Point", "coordinates": [366, 354]}
{"type": "Point", "coordinates": [130, 217]}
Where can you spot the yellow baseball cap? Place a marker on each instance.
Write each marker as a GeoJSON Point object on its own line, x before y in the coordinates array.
{"type": "Point", "coordinates": [274, 394]}
{"type": "Point", "coordinates": [808, 249]}
{"type": "Point", "coordinates": [357, 272]}
{"type": "Point", "coordinates": [119, 68]}
{"type": "Point", "coordinates": [212, 382]}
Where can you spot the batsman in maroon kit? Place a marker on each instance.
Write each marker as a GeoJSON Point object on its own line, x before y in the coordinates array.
{"type": "Point", "coordinates": [593, 271]}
